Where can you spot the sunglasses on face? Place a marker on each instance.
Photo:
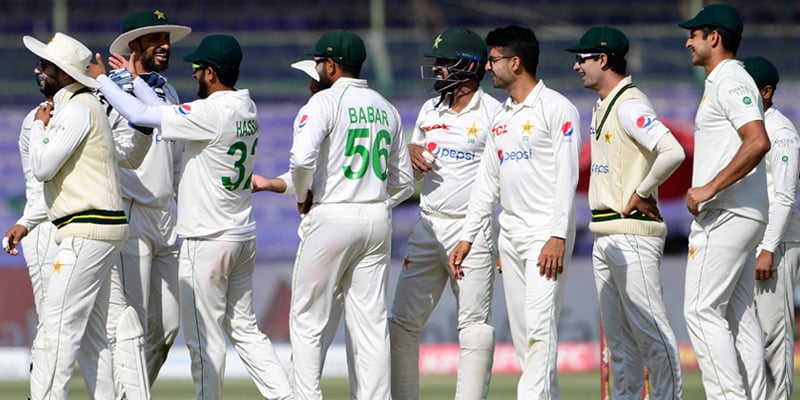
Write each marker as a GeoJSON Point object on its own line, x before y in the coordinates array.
{"type": "Point", "coordinates": [582, 57]}
{"type": "Point", "coordinates": [198, 67]}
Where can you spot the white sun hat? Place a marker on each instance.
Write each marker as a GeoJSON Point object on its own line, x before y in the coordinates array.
{"type": "Point", "coordinates": [309, 67]}
{"type": "Point", "coordinates": [66, 53]}
{"type": "Point", "coordinates": [144, 22]}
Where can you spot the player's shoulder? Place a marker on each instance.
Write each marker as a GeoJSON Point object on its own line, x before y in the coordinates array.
{"type": "Point", "coordinates": [778, 125]}
{"type": "Point", "coordinates": [555, 101]}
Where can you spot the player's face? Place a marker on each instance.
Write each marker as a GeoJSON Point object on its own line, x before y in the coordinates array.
{"type": "Point", "coordinates": [325, 80]}
{"type": "Point", "coordinates": [201, 75]}
{"type": "Point", "coordinates": [154, 49]}
{"type": "Point", "coordinates": [47, 77]}
{"type": "Point", "coordinates": [699, 46]}
{"type": "Point", "coordinates": [589, 67]}
{"type": "Point", "coordinates": [499, 66]}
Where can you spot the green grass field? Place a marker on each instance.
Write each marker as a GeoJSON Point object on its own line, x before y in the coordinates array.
{"type": "Point", "coordinates": [574, 386]}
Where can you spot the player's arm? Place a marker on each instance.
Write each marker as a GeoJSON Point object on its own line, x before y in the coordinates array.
{"type": "Point", "coordinates": [755, 145]}
{"type": "Point", "coordinates": [310, 130]}
{"type": "Point", "coordinates": [783, 162]}
{"type": "Point", "coordinates": [416, 146]}
{"type": "Point", "coordinates": [641, 123]}
{"type": "Point", "coordinates": [400, 175]}
{"type": "Point", "coordinates": [566, 150]}
{"type": "Point", "coordinates": [49, 152]}
{"type": "Point", "coordinates": [280, 184]}
{"type": "Point", "coordinates": [483, 197]}
{"type": "Point", "coordinates": [746, 114]}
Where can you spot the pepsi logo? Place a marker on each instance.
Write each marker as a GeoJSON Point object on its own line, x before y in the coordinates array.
{"type": "Point", "coordinates": [643, 122]}
{"type": "Point", "coordinates": [303, 121]}
{"type": "Point", "coordinates": [567, 129]}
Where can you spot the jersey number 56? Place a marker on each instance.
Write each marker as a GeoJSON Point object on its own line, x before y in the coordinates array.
{"type": "Point", "coordinates": [378, 159]}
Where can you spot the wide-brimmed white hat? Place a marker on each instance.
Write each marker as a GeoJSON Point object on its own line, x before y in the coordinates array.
{"type": "Point", "coordinates": [309, 67]}
{"type": "Point", "coordinates": [66, 53]}
{"type": "Point", "coordinates": [143, 22]}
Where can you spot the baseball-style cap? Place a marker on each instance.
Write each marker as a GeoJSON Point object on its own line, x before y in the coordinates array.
{"type": "Point", "coordinates": [602, 39]}
{"type": "Point", "coordinates": [220, 51]}
{"type": "Point", "coordinates": [67, 53]}
{"type": "Point", "coordinates": [460, 42]}
{"type": "Point", "coordinates": [342, 46]}
{"type": "Point", "coordinates": [762, 71]}
{"type": "Point", "coordinates": [144, 22]}
{"type": "Point", "coordinates": [718, 16]}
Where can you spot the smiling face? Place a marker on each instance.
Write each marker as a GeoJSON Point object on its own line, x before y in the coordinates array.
{"type": "Point", "coordinates": [154, 50]}
{"type": "Point", "coordinates": [699, 46]}
{"type": "Point", "coordinates": [499, 66]}
{"type": "Point", "coordinates": [589, 67]}
{"type": "Point", "coordinates": [47, 75]}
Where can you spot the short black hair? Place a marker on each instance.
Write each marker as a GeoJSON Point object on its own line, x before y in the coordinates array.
{"type": "Point", "coordinates": [354, 70]}
{"type": "Point", "coordinates": [730, 40]}
{"type": "Point", "coordinates": [519, 41]}
{"type": "Point", "coordinates": [226, 76]}
{"type": "Point", "coordinates": [617, 64]}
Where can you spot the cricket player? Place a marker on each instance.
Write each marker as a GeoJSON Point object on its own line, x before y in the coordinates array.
{"type": "Point", "coordinates": [730, 209]}
{"type": "Point", "coordinates": [533, 172]}
{"type": "Point", "coordinates": [451, 131]}
{"type": "Point", "coordinates": [146, 274]}
{"type": "Point", "coordinates": [215, 219]}
{"type": "Point", "coordinates": [632, 154]}
{"type": "Point", "coordinates": [778, 254]}
{"type": "Point", "coordinates": [72, 152]}
{"type": "Point", "coordinates": [349, 166]}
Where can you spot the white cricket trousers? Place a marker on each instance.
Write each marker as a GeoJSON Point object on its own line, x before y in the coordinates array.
{"type": "Point", "coordinates": [627, 275]}
{"type": "Point", "coordinates": [775, 308]}
{"type": "Point", "coordinates": [718, 305]}
{"type": "Point", "coordinates": [40, 251]}
{"type": "Point", "coordinates": [534, 305]}
{"type": "Point", "coordinates": [74, 317]}
{"type": "Point", "coordinates": [216, 293]}
{"type": "Point", "coordinates": [425, 274]}
{"type": "Point", "coordinates": [343, 247]}
{"type": "Point", "coordinates": [146, 278]}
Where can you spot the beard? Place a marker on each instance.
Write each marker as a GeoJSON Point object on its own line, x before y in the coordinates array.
{"type": "Point", "coordinates": [202, 89]}
{"type": "Point", "coordinates": [47, 86]}
{"type": "Point", "coordinates": [149, 63]}
{"type": "Point", "coordinates": [324, 82]}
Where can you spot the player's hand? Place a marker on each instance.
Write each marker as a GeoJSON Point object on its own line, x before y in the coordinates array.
{"type": "Point", "coordinates": [96, 68]}
{"type": "Point", "coordinates": [305, 206]}
{"type": "Point", "coordinates": [261, 184]}
{"type": "Point", "coordinates": [551, 258]}
{"type": "Point", "coordinates": [647, 207]}
{"type": "Point", "coordinates": [499, 266]}
{"type": "Point", "coordinates": [458, 255]}
{"type": "Point", "coordinates": [12, 238]}
{"type": "Point", "coordinates": [44, 112]}
{"type": "Point", "coordinates": [697, 195]}
{"type": "Point", "coordinates": [764, 269]}
{"type": "Point", "coordinates": [418, 161]}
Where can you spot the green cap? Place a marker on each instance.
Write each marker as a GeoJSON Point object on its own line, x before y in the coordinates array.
{"type": "Point", "coordinates": [762, 71]}
{"type": "Point", "coordinates": [221, 51]}
{"type": "Point", "coordinates": [460, 42]}
{"type": "Point", "coordinates": [718, 16]}
{"type": "Point", "coordinates": [140, 23]}
{"type": "Point", "coordinates": [602, 39]}
{"type": "Point", "coordinates": [342, 46]}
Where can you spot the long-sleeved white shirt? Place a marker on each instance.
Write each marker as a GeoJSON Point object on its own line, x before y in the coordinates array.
{"type": "Point", "coordinates": [35, 211]}
{"type": "Point", "coordinates": [782, 174]}
{"type": "Point", "coordinates": [531, 167]}
{"type": "Point", "coordinates": [457, 140]}
{"type": "Point", "coordinates": [350, 138]}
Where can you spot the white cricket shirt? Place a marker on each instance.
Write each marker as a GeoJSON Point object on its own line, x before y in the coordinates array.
{"type": "Point", "coordinates": [782, 173]}
{"type": "Point", "coordinates": [457, 139]}
{"type": "Point", "coordinates": [731, 100]}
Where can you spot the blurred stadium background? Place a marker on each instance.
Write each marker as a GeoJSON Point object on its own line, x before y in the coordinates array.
{"type": "Point", "coordinates": [275, 33]}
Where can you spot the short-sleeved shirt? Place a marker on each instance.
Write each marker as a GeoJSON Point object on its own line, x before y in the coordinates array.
{"type": "Point", "coordinates": [731, 100]}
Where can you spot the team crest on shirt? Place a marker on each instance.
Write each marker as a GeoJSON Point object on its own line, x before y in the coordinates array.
{"type": "Point", "coordinates": [747, 100]}
{"type": "Point", "coordinates": [472, 133]}
{"type": "Point", "coordinates": [526, 130]}
{"type": "Point", "coordinates": [185, 109]}
{"type": "Point", "coordinates": [303, 121]}
{"type": "Point", "coordinates": [644, 122]}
